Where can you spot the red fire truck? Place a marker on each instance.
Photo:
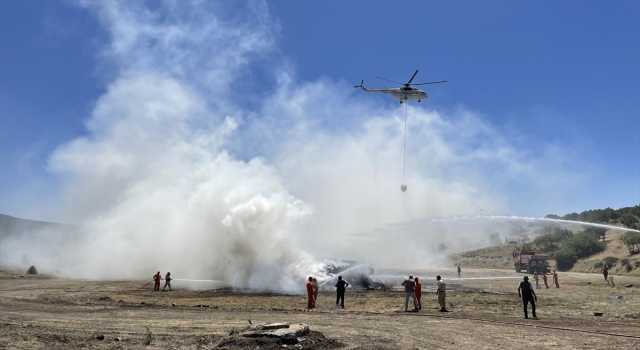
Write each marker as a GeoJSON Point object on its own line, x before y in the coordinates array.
{"type": "Point", "coordinates": [530, 262]}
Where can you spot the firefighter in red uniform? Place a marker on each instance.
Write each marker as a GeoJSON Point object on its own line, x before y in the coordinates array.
{"type": "Point", "coordinates": [418, 291]}
{"type": "Point", "coordinates": [544, 278]}
{"type": "Point", "coordinates": [555, 279]}
{"type": "Point", "coordinates": [157, 277]}
{"type": "Point", "coordinates": [310, 293]}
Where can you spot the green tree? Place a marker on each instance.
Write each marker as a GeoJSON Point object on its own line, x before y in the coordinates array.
{"type": "Point", "coordinates": [517, 231]}
{"type": "Point", "coordinates": [606, 215]}
{"type": "Point", "coordinates": [629, 220]}
{"type": "Point", "coordinates": [631, 240]}
{"type": "Point", "coordinates": [583, 244]}
{"type": "Point", "coordinates": [494, 238]}
{"type": "Point", "coordinates": [572, 216]}
{"type": "Point", "coordinates": [600, 232]}
{"type": "Point", "coordinates": [550, 239]}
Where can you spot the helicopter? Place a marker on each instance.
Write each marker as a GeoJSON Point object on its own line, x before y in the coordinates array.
{"type": "Point", "coordinates": [403, 93]}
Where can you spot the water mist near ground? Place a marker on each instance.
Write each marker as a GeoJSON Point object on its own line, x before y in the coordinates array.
{"type": "Point", "coordinates": [176, 173]}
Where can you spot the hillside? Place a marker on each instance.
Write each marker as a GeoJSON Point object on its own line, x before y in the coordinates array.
{"type": "Point", "coordinates": [495, 257]}
{"type": "Point", "coordinates": [14, 227]}
{"type": "Point", "coordinates": [500, 257]}
{"type": "Point", "coordinates": [22, 241]}
{"type": "Point", "coordinates": [614, 249]}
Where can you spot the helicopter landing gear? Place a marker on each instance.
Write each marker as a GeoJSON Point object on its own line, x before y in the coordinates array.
{"type": "Point", "coordinates": [419, 100]}
{"type": "Point", "coordinates": [400, 101]}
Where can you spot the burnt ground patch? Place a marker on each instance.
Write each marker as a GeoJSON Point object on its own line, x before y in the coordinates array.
{"type": "Point", "coordinates": [313, 340]}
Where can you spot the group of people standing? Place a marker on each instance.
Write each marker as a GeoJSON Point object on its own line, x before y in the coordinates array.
{"type": "Point", "coordinates": [544, 279]}
{"type": "Point", "coordinates": [312, 292]}
{"type": "Point", "coordinates": [412, 285]}
{"type": "Point", "coordinates": [413, 290]}
{"type": "Point", "coordinates": [167, 281]}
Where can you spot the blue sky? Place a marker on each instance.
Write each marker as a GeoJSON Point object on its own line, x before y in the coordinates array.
{"type": "Point", "coordinates": [559, 81]}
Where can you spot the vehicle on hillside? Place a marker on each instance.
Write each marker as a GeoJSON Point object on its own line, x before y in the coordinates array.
{"type": "Point", "coordinates": [530, 262]}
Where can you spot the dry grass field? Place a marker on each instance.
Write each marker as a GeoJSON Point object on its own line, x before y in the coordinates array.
{"type": "Point", "coordinates": [37, 312]}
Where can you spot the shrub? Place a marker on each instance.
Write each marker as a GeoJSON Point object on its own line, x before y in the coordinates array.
{"type": "Point", "coordinates": [32, 270]}
{"type": "Point", "coordinates": [564, 259]}
{"type": "Point", "coordinates": [598, 265]}
{"type": "Point", "coordinates": [624, 261]}
{"type": "Point", "coordinates": [148, 337]}
{"type": "Point", "coordinates": [637, 264]}
{"type": "Point", "coordinates": [610, 261]}
{"type": "Point", "coordinates": [629, 268]}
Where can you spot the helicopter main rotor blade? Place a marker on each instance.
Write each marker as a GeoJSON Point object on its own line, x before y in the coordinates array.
{"type": "Point", "coordinates": [433, 82]}
{"type": "Point", "coordinates": [387, 80]}
{"type": "Point", "coordinates": [413, 76]}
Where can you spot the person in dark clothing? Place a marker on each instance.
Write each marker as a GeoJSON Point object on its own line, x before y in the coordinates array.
{"type": "Point", "coordinates": [605, 273]}
{"type": "Point", "coordinates": [341, 286]}
{"type": "Point", "coordinates": [528, 295]}
{"type": "Point", "coordinates": [167, 281]}
{"type": "Point", "coordinates": [410, 292]}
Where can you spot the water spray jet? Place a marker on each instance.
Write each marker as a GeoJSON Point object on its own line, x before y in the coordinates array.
{"type": "Point", "coordinates": [341, 273]}
{"type": "Point", "coordinates": [611, 227]}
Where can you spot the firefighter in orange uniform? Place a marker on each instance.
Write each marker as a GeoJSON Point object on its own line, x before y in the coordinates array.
{"type": "Point", "coordinates": [555, 279]}
{"type": "Point", "coordinates": [310, 293]}
{"type": "Point", "coordinates": [418, 291]}
{"type": "Point", "coordinates": [544, 278]}
{"type": "Point", "coordinates": [157, 277]}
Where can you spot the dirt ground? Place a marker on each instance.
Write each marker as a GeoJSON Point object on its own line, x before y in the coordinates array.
{"type": "Point", "coordinates": [39, 312]}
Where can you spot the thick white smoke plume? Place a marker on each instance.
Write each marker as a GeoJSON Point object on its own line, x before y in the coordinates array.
{"type": "Point", "coordinates": [176, 173]}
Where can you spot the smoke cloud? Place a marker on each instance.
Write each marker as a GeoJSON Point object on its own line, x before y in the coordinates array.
{"type": "Point", "coordinates": [177, 173]}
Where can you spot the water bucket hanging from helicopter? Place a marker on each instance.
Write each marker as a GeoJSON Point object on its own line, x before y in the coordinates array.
{"type": "Point", "coordinates": [404, 92]}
